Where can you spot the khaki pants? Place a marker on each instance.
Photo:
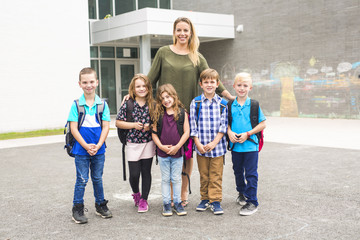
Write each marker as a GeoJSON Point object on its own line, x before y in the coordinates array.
{"type": "Point", "coordinates": [211, 171]}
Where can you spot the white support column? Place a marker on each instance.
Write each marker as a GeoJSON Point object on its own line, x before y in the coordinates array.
{"type": "Point", "coordinates": [145, 54]}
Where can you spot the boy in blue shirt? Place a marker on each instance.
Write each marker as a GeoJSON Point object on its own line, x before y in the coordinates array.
{"type": "Point", "coordinates": [245, 152]}
{"type": "Point", "coordinates": [208, 127]}
{"type": "Point", "coordinates": [89, 148]}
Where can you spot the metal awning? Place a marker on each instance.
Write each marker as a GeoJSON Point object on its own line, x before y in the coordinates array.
{"type": "Point", "coordinates": [126, 29]}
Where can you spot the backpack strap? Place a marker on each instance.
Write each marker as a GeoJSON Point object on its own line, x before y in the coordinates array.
{"type": "Point", "coordinates": [254, 116]}
{"type": "Point", "coordinates": [129, 118]}
{"type": "Point", "coordinates": [229, 104]}
{"type": "Point", "coordinates": [197, 107]}
{"type": "Point", "coordinates": [99, 111]}
{"type": "Point", "coordinates": [81, 113]}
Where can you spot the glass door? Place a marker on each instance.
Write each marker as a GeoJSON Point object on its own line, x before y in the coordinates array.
{"type": "Point", "coordinates": [125, 71]}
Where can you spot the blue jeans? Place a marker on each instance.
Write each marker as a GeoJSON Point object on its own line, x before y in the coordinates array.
{"type": "Point", "coordinates": [96, 164]}
{"type": "Point", "coordinates": [171, 171]}
{"type": "Point", "coordinates": [245, 166]}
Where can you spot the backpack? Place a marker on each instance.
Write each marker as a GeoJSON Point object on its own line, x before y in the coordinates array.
{"type": "Point", "coordinates": [180, 128]}
{"type": "Point", "coordinates": [254, 119]}
{"type": "Point", "coordinates": [198, 102]}
{"type": "Point", "coordinates": [69, 138]}
{"type": "Point", "coordinates": [122, 133]}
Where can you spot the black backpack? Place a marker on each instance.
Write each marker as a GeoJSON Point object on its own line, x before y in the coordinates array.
{"type": "Point", "coordinates": [122, 133]}
{"type": "Point", "coordinates": [254, 119]}
{"type": "Point", "coordinates": [180, 128]}
{"type": "Point", "coordinates": [69, 138]}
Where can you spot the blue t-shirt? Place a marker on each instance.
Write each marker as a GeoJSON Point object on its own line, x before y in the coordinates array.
{"type": "Point", "coordinates": [241, 123]}
{"type": "Point", "coordinates": [90, 130]}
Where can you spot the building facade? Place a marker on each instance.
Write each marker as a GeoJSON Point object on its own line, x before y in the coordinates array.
{"type": "Point", "coordinates": [304, 56]}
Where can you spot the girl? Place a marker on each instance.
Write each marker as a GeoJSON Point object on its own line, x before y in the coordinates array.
{"type": "Point", "coordinates": [140, 148]}
{"type": "Point", "coordinates": [170, 132]}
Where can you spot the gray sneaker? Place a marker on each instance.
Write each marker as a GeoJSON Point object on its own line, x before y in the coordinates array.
{"type": "Point", "coordinates": [78, 213]}
{"type": "Point", "coordinates": [102, 210]}
{"type": "Point", "coordinates": [241, 199]}
{"type": "Point", "coordinates": [248, 209]}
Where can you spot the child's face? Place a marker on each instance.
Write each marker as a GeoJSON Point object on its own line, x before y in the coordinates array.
{"type": "Point", "coordinates": [167, 100]}
{"type": "Point", "coordinates": [242, 87]}
{"type": "Point", "coordinates": [209, 85]}
{"type": "Point", "coordinates": [88, 83]}
{"type": "Point", "coordinates": [141, 90]}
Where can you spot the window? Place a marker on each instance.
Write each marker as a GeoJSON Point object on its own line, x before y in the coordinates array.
{"type": "Point", "coordinates": [107, 52]}
{"type": "Point", "coordinates": [165, 4]}
{"type": "Point", "coordinates": [147, 3]}
{"type": "Point", "coordinates": [105, 8]}
{"type": "Point", "coordinates": [94, 52]}
{"type": "Point", "coordinates": [92, 9]}
{"type": "Point", "coordinates": [124, 6]}
{"type": "Point", "coordinates": [122, 52]}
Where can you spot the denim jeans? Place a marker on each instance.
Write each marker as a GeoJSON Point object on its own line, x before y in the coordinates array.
{"type": "Point", "coordinates": [171, 171]}
{"type": "Point", "coordinates": [245, 165]}
{"type": "Point", "coordinates": [96, 164]}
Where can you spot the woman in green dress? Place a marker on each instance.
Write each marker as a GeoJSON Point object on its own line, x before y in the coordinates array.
{"type": "Point", "coordinates": [180, 64]}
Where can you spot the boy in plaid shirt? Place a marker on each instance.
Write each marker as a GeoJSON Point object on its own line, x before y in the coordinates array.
{"type": "Point", "coordinates": [208, 125]}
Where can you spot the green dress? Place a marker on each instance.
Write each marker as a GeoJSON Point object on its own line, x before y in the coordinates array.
{"type": "Point", "coordinates": [178, 70]}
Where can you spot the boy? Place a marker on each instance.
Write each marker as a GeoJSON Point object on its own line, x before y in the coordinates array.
{"type": "Point", "coordinates": [244, 153]}
{"type": "Point", "coordinates": [89, 148]}
{"type": "Point", "coordinates": [208, 126]}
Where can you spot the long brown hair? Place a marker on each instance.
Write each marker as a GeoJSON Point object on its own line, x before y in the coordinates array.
{"type": "Point", "coordinates": [159, 110]}
{"type": "Point", "coordinates": [149, 97]}
{"type": "Point", "coordinates": [193, 43]}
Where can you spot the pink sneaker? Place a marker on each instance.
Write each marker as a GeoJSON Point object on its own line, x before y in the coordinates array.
{"type": "Point", "coordinates": [136, 197]}
{"type": "Point", "coordinates": [143, 206]}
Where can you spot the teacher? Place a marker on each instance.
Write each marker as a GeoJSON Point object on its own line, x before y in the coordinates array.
{"type": "Point", "coordinates": [180, 64]}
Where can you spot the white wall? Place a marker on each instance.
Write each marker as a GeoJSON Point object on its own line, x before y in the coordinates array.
{"type": "Point", "coordinates": [43, 46]}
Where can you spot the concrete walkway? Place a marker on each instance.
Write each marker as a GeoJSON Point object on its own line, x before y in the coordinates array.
{"type": "Point", "coordinates": [305, 191]}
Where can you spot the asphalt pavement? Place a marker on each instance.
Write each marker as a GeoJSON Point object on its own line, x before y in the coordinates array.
{"type": "Point", "coordinates": [308, 189]}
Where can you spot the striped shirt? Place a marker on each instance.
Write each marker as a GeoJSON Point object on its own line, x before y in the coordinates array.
{"type": "Point", "coordinates": [209, 124]}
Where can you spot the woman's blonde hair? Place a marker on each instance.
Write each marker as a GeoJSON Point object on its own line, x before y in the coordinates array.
{"type": "Point", "coordinates": [149, 96]}
{"type": "Point", "coordinates": [193, 43]}
{"type": "Point", "coordinates": [159, 110]}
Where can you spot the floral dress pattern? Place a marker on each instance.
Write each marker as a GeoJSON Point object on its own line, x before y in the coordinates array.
{"type": "Point", "coordinates": [140, 114]}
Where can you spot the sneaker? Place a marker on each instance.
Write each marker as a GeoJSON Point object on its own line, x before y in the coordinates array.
{"type": "Point", "coordinates": [136, 197]}
{"type": "Point", "coordinates": [143, 206]}
{"type": "Point", "coordinates": [167, 210]}
{"type": "Point", "coordinates": [241, 199]}
{"type": "Point", "coordinates": [102, 210]}
{"type": "Point", "coordinates": [179, 209]}
{"type": "Point", "coordinates": [78, 213]}
{"type": "Point", "coordinates": [203, 205]}
{"type": "Point", "coordinates": [248, 209]}
{"type": "Point", "coordinates": [216, 208]}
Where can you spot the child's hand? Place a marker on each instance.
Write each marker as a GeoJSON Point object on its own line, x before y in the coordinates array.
{"type": "Point", "coordinates": [243, 137]}
{"type": "Point", "coordinates": [165, 148]}
{"type": "Point", "coordinates": [173, 150]}
{"type": "Point", "coordinates": [92, 149]}
{"type": "Point", "coordinates": [138, 126]}
{"type": "Point", "coordinates": [209, 147]}
{"type": "Point", "coordinates": [146, 127]}
{"type": "Point", "coordinates": [201, 148]}
{"type": "Point", "coordinates": [233, 137]}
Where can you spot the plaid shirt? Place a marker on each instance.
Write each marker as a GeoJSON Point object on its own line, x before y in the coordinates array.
{"type": "Point", "coordinates": [210, 123]}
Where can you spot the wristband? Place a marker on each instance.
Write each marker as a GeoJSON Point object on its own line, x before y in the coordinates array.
{"type": "Point", "coordinates": [248, 134]}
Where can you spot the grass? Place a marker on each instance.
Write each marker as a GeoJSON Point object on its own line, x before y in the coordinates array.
{"type": "Point", "coordinates": [37, 133]}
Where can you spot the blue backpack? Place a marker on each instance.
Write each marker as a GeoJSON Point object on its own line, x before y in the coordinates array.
{"type": "Point", "coordinates": [69, 138]}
